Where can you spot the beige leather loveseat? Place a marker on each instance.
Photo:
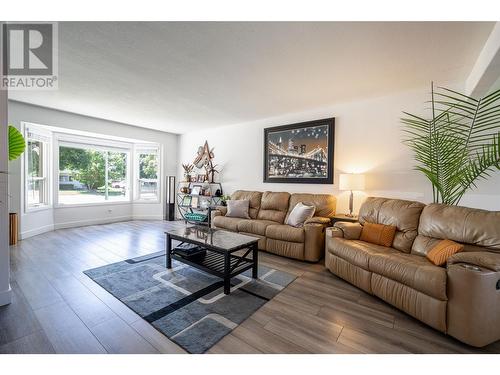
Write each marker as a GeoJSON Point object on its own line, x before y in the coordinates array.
{"type": "Point", "coordinates": [461, 299]}
{"type": "Point", "coordinates": [268, 212]}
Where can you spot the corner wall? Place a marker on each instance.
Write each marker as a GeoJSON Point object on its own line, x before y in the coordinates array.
{"type": "Point", "coordinates": [37, 222]}
{"type": "Point", "coordinates": [367, 140]}
{"type": "Point", "coordinates": [5, 291]}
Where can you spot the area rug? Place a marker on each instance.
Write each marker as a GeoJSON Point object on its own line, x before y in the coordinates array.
{"type": "Point", "coordinates": [185, 304]}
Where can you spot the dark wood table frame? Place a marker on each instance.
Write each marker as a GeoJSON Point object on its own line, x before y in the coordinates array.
{"type": "Point", "coordinates": [218, 262]}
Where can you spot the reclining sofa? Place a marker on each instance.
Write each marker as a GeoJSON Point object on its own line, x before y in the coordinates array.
{"type": "Point", "coordinates": [268, 212]}
{"type": "Point", "coordinates": [461, 299]}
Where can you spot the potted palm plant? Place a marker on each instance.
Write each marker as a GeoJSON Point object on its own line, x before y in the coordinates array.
{"type": "Point", "coordinates": [458, 144]}
{"type": "Point", "coordinates": [17, 145]}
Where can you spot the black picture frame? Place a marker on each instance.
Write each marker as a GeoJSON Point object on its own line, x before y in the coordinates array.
{"type": "Point", "coordinates": [196, 188]}
{"type": "Point", "coordinates": [329, 123]}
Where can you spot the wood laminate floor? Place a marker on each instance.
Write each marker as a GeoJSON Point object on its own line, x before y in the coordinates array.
{"type": "Point", "coordinates": [57, 309]}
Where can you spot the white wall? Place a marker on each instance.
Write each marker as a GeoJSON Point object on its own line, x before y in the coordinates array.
{"type": "Point", "coordinates": [367, 140]}
{"type": "Point", "coordinates": [5, 291]}
{"type": "Point", "coordinates": [37, 222]}
{"type": "Point", "coordinates": [486, 70]}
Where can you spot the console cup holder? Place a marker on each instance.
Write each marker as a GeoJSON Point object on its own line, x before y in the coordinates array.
{"type": "Point", "coordinates": [471, 267]}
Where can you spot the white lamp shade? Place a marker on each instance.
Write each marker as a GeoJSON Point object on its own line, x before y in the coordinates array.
{"type": "Point", "coordinates": [351, 181]}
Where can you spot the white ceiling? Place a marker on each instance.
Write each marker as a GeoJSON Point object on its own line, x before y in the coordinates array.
{"type": "Point", "coordinates": [183, 76]}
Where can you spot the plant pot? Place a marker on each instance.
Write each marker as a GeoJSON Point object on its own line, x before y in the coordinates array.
{"type": "Point", "coordinates": [13, 228]}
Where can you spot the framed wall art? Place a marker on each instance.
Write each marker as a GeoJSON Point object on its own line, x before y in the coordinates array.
{"type": "Point", "coordinates": [300, 153]}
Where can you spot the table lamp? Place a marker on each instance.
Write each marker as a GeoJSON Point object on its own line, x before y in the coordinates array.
{"type": "Point", "coordinates": [351, 181]}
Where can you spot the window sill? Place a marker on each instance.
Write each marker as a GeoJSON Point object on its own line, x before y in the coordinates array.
{"type": "Point", "coordinates": [146, 201]}
{"type": "Point", "coordinates": [31, 210]}
{"type": "Point", "coordinates": [59, 206]}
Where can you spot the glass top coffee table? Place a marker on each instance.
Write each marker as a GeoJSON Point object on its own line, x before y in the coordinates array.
{"type": "Point", "coordinates": [213, 251]}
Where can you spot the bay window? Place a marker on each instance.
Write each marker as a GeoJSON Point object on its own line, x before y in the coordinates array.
{"type": "Point", "coordinates": [87, 169]}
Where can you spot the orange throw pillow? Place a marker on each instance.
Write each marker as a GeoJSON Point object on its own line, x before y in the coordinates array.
{"type": "Point", "coordinates": [444, 249]}
{"type": "Point", "coordinates": [378, 234]}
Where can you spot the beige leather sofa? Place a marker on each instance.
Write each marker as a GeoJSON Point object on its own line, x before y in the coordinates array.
{"type": "Point", "coordinates": [268, 212]}
{"type": "Point", "coordinates": [461, 299]}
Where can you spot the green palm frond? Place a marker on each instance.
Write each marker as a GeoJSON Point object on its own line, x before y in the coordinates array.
{"type": "Point", "coordinates": [17, 143]}
{"type": "Point", "coordinates": [458, 145]}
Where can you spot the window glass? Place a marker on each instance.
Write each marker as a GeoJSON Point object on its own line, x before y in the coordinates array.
{"type": "Point", "coordinates": [89, 175]}
{"type": "Point", "coordinates": [148, 175]}
{"type": "Point", "coordinates": [117, 176]}
{"type": "Point", "coordinates": [36, 179]}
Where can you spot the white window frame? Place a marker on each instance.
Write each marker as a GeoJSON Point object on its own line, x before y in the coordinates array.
{"type": "Point", "coordinates": [68, 140]}
{"type": "Point", "coordinates": [147, 148]}
{"type": "Point", "coordinates": [33, 132]}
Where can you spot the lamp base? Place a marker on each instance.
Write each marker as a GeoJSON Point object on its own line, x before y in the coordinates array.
{"type": "Point", "coordinates": [351, 199]}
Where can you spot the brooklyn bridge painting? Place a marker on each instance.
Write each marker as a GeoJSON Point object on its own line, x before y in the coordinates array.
{"type": "Point", "coordinates": [300, 153]}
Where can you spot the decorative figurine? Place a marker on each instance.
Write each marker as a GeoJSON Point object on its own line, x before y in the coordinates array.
{"type": "Point", "coordinates": [204, 159]}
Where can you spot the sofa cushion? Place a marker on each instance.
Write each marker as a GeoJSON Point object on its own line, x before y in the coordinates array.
{"type": "Point", "coordinates": [238, 208]}
{"type": "Point", "coordinates": [274, 206]}
{"type": "Point", "coordinates": [254, 226]}
{"type": "Point", "coordinates": [356, 252]}
{"type": "Point", "coordinates": [253, 196]}
{"type": "Point", "coordinates": [440, 253]}
{"type": "Point", "coordinates": [378, 234]}
{"type": "Point", "coordinates": [476, 229]}
{"type": "Point", "coordinates": [400, 213]}
{"type": "Point", "coordinates": [300, 213]}
{"type": "Point", "coordinates": [229, 223]}
{"type": "Point", "coordinates": [411, 270]}
{"type": "Point", "coordinates": [325, 203]}
{"type": "Point", "coordinates": [285, 233]}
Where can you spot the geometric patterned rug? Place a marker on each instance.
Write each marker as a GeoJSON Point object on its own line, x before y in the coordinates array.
{"type": "Point", "coordinates": [185, 304]}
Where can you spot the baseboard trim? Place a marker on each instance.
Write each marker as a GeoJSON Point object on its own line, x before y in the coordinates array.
{"type": "Point", "coordinates": [36, 231]}
{"type": "Point", "coordinates": [84, 223]}
{"type": "Point", "coordinates": [147, 217]}
{"type": "Point", "coordinates": [6, 296]}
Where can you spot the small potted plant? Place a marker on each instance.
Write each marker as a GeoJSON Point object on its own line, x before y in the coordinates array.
{"type": "Point", "coordinates": [188, 169]}
{"type": "Point", "coordinates": [224, 199]}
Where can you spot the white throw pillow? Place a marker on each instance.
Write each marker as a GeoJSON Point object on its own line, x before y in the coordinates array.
{"type": "Point", "coordinates": [238, 208]}
{"type": "Point", "coordinates": [300, 214]}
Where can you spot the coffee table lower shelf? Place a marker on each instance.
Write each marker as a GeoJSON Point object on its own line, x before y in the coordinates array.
{"type": "Point", "coordinates": [214, 264]}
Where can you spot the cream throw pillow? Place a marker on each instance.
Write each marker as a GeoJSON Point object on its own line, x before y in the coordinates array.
{"type": "Point", "coordinates": [300, 214]}
{"type": "Point", "coordinates": [238, 208]}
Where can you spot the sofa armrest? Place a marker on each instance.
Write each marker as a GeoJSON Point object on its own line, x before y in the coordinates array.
{"type": "Point", "coordinates": [314, 244]}
{"type": "Point", "coordinates": [350, 231]}
{"type": "Point", "coordinates": [222, 210]}
{"type": "Point", "coordinates": [334, 232]}
{"type": "Point", "coordinates": [218, 211]}
{"type": "Point", "coordinates": [473, 291]}
{"type": "Point", "coordinates": [317, 220]}
{"type": "Point", "coordinates": [483, 259]}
